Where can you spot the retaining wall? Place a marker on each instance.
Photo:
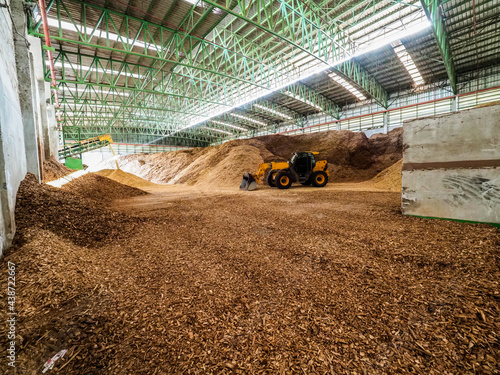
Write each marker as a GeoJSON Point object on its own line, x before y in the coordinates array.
{"type": "Point", "coordinates": [451, 166]}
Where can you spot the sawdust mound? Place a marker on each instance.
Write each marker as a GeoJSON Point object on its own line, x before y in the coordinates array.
{"type": "Point", "coordinates": [101, 189]}
{"type": "Point", "coordinates": [223, 169]}
{"type": "Point", "coordinates": [351, 157]}
{"type": "Point", "coordinates": [125, 178]}
{"type": "Point", "coordinates": [71, 216]}
{"type": "Point", "coordinates": [53, 170]}
{"type": "Point", "coordinates": [496, 102]}
{"type": "Point", "coordinates": [159, 167]}
{"type": "Point", "coordinates": [389, 179]}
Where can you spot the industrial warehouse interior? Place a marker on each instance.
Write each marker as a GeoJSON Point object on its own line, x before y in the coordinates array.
{"type": "Point", "coordinates": [250, 187]}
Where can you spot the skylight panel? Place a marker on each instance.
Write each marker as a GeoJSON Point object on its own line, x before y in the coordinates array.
{"type": "Point", "coordinates": [217, 130]}
{"type": "Point", "coordinates": [408, 63]}
{"type": "Point", "coordinates": [273, 111]}
{"type": "Point", "coordinates": [308, 102]}
{"type": "Point", "coordinates": [228, 125]}
{"type": "Point", "coordinates": [342, 82]}
{"type": "Point", "coordinates": [248, 119]}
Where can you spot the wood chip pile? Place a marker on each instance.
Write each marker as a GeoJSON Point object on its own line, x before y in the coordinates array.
{"type": "Point", "coordinates": [72, 216]}
{"type": "Point", "coordinates": [101, 189]}
{"type": "Point", "coordinates": [125, 178]}
{"type": "Point", "coordinates": [351, 156]}
{"type": "Point", "coordinates": [302, 281]}
{"type": "Point", "coordinates": [390, 179]}
{"type": "Point", "coordinates": [53, 170]}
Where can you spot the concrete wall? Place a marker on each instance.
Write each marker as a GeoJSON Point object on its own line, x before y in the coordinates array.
{"type": "Point", "coordinates": [24, 116]}
{"type": "Point", "coordinates": [451, 166]}
{"type": "Point", "coordinates": [13, 165]}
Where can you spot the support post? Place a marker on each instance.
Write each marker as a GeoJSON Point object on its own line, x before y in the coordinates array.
{"type": "Point", "coordinates": [26, 89]}
{"type": "Point", "coordinates": [386, 121]}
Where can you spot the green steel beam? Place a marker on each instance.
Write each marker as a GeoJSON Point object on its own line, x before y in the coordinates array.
{"type": "Point", "coordinates": [133, 135]}
{"type": "Point", "coordinates": [352, 71]}
{"type": "Point", "coordinates": [311, 20]}
{"type": "Point", "coordinates": [239, 62]}
{"type": "Point", "coordinates": [300, 27]}
{"type": "Point", "coordinates": [100, 128]}
{"type": "Point", "coordinates": [112, 96]}
{"type": "Point", "coordinates": [434, 13]}
{"type": "Point", "coordinates": [105, 108]}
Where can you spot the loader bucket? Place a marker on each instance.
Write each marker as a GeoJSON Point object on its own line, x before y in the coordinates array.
{"type": "Point", "coordinates": [248, 182]}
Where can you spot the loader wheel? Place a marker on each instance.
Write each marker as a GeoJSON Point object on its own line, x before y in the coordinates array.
{"type": "Point", "coordinates": [319, 179]}
{"type": "Point", "coordinates": [270, 178]}
{"type": "Point", "coordinates": [283, 180]}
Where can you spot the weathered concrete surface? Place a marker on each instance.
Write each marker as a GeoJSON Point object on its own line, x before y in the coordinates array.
{"type": "Point", "coordinates": [53, 131]}
{"type": "Point", "coordinates": [24, 117]}
{"type": "Point", "coordinates": [451, 166]}
{"type": "Point", "coordinates": [464, 194]}
{"type": "Point", "coordinates": [27, 91]}
{"type": "Point", "coordinates": [12, 148]}
{"type": "Point", "coordinates": [468, 135]}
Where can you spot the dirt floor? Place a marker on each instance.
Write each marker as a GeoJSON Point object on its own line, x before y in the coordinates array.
{"type": "Point", "coordinates": [189, 280]}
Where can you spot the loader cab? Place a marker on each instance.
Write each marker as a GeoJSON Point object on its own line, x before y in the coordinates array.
{"type": "Point", "coordinates": [303, 162]}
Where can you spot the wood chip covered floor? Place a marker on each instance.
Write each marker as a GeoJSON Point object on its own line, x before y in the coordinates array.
{"type": "Point", "coordinates": [303, 281]}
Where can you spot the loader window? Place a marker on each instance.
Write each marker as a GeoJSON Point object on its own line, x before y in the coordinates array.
{"type": "Point", "coordinates": [302, 164]}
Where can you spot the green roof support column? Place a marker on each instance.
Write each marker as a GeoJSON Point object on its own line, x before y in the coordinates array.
{"type": "Point", "coordinates": [434, 13]}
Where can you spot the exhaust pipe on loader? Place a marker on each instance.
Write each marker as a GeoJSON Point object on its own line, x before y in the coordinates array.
{"type": "Point", "coordinates": [248, 182]}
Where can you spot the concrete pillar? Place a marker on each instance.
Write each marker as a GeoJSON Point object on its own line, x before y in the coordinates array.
{"type": "Point", "coordinates": [454, 104]}
{"type": "Point", "coordinates": [37, 52]}
{"type": "Point", "coordinates": [386, 121]}
{"type": "Point", "coordinates": [53, 131]}
{"type": "Point", "coordinates": [26, 89]}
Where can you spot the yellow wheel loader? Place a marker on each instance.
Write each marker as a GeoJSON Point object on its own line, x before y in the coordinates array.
{"type": "Point", "coordinates": [302, 168]}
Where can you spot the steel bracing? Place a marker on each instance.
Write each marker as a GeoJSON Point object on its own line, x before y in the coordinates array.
{"type": "Point", "coordinates": [199, 72]}
{"type": "Point", "coordinates": [434, 12]}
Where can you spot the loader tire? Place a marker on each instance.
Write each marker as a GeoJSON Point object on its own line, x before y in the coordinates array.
{"type": "Point", "coordinates": [319, 179]}
{"type": "Point", "coordinates": [283, 180]}
{"type": "Point", "coordinates": [270, 178]}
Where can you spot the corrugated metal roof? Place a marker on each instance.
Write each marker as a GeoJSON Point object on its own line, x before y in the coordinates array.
{"type": "Point", "coordinates": [473, 29]}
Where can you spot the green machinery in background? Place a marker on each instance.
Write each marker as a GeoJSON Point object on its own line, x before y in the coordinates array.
{"type": "Point", "coordinates": [70, 150]}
